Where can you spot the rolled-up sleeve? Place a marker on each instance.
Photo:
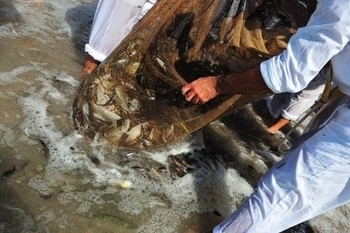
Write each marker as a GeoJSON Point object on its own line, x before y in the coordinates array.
{"type": "Point", "coordinates": [326, 34]}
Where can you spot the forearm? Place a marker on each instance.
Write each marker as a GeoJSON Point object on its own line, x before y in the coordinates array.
{"type": "Point", "coordinates": [247, 82]}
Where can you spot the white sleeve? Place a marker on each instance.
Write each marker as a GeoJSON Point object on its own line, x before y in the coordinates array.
{"type": "Point", "coordinates": [113, 21]}
{"type": "Point", "coordinates": [326, 34]}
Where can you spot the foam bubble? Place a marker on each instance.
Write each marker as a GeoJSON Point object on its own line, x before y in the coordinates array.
{"type": "Point", "coordinates": [41, 186]}
{"type": "Point", "coordinates": [40, 95]}
{"type": "Point", "coordinates": [84, 207]}
{"type": "Point", "coordinates": [46, 217]}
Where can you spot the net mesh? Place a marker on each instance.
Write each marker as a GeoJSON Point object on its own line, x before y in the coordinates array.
{"type": "Point", "coordinates": [133, 98]}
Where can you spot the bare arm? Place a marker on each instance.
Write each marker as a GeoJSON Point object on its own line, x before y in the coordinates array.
{"type": "Point", "coordinates": [206, 88]}
{"type": "Point", "coordinates": [247, 82]}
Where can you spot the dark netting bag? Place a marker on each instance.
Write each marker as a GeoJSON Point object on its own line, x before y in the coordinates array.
{"type": "Point", "coordinates": [133, 98]}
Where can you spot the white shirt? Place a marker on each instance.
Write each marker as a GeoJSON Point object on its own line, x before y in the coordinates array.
{"type": "Point", "coordinates": [325, 37]}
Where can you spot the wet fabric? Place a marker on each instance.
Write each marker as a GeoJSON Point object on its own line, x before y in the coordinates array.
{"type": "Point", "coordinates": [310, 180]}
{"type": "Point", "coordinates": [314, 175]}
{"type": "Point", "coordinates": [326, 37]}
{"type": "Point", "coordinates": [113, 20]}
{"type": "Point", "coordinates": [292, 105]}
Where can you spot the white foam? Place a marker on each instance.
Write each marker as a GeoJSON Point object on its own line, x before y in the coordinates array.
{"type": "Point", "coordinates": [46, 217]}
{"type": "Point", "coordinates": [84, 207]}
{"type": "Point", "coordinates": [180, 197]}
{"type": "Point", "coordinates": [76, 183]}
{"type": "Point", "coordinates": [187, 145]}
{"type": "Point", "coordinates": [7, 135]}
{"type": "Point", "coordinates": [200, 191]}
{"type": "Point", "coordinates": [40, 185]}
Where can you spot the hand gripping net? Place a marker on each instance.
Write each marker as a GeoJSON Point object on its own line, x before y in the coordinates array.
{"type": "Point", "coordinates": [133, 98]}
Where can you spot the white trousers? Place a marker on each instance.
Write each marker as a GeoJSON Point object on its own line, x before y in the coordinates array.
{"type": "Point", "coordinates": [291, 105]}
{"type": "Point", "coordinates": [113, 21]}
{"type": "Point", "coordinates": [312, 178]}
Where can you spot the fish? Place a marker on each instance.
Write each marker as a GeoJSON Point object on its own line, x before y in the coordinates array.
{"type": "Point", "coordinates": [10, 172]}
{"type": "Point", "coordinates": [128, 100]}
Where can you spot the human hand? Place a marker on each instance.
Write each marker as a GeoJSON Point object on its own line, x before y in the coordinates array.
{"type": "Point", "coordinates": [201, 90]}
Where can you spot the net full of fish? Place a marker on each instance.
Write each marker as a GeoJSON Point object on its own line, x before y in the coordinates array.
{"type": "Point", "coordinates": [133, 98]}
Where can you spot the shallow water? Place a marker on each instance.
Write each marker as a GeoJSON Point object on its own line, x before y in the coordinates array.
{"type": "Point", "coordinates": [54, 180]}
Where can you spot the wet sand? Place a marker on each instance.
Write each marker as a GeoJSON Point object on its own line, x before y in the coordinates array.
{"type": "Point", "coordinates": [55, 180]}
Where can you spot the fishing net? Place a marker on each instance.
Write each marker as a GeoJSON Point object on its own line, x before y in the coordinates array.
{"type": "Point", "coordinates": [133, 98]}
